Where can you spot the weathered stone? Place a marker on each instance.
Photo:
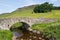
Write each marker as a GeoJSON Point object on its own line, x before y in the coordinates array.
{"type": "Point", "coordinates": [6, 23]}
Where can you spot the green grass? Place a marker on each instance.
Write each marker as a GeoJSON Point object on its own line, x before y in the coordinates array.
{"type": "Point", "coordinates": [53, 14]}
{"type": "Point", "coordinates": [5, 35]}
{"type": "Point", "coordinates": [42, 26]}
{"type": "Point", "coordinates": [49, 29]}
{"type": "Point", "coordinates": [16, 25]}
{"type": "Point", "coordinates": [53, 31]}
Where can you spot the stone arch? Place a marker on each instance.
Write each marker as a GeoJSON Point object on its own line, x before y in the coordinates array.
{"type": "Point", "coordinates": [24, 26]}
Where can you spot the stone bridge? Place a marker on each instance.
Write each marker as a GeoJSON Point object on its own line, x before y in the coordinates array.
{"type": "Point", "coordinates": [6, 23]}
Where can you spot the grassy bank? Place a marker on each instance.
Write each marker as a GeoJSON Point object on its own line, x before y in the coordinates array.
{"type": "Point", "coordinates": [52, 31]}
{"type": "Point", "coordinates": [49, 29]}
{"type": "Point", "coordinates": [5, 35]}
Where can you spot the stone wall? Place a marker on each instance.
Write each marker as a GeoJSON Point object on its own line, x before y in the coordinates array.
{"type": "Point", "coordinates": [8, 22]}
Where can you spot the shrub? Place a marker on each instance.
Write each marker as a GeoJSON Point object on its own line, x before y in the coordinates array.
{"type": "Point", "coordinates": [45, 7]}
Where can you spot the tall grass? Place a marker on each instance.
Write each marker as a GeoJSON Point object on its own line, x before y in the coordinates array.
{"type": "Point", "coordinates": [49, 29]}
{"type": "Point", "coordinates": [53, 31]}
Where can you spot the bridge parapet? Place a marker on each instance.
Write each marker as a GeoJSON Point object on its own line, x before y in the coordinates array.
{"type": "Point", "coordinates": [7, 23]}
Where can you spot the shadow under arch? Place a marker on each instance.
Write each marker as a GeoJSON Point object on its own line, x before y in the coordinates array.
{"type": "Point", "coordinates": [23, 27]}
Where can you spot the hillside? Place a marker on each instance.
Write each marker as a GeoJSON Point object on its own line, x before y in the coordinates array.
{"type": "Point", "coordinates": [27, 11]}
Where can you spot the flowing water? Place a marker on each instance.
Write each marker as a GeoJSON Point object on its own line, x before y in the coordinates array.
{"type": "Point", "coordinates": [28, 35]}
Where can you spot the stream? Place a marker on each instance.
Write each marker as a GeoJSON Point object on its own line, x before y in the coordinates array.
{"type": "Point", "coordinates": [22, 33]}
{"type": "Point", "coordinates": [28, 35]}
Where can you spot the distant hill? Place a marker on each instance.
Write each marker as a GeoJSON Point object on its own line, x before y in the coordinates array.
{"type": "Point", "coordinates": [27, 11]}
{"type": "Point", "coordinates": [25, 8]}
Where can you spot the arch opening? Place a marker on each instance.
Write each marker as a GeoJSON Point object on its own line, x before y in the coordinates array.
{"type": "Point", "coordinates": [19, 26]}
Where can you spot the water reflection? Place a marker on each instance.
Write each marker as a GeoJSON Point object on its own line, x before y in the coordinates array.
{"type": "Point", "coordinates": [17, 34]}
